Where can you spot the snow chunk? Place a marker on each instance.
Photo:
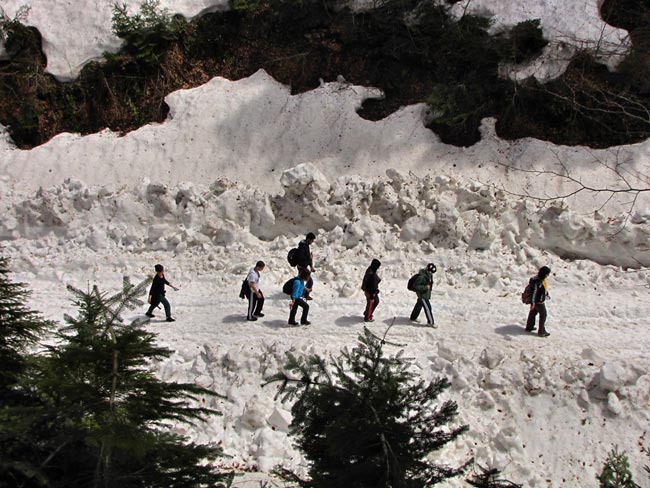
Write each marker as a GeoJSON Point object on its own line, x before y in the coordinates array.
{"type": "Point", "coordinates": [615, 375]}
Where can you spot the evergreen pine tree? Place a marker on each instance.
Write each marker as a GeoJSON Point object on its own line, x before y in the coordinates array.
{"type": "Point", "coordinates": [106, 418]}
{"type": "Point", "coordinates": [365, 420]}
{"type": "Point", "coordinates": [20, 330]}
{"type": "Point", "coordinates": [616, 471]}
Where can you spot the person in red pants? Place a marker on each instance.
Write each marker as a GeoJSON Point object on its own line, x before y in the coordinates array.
{"type": "Point", "coordinates": [370, 287]}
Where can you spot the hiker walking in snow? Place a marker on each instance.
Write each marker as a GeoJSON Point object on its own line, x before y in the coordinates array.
{"type": "Point", "coordinates": [370, 287]}
{"type": "Point", "coordinates": [305, 261]}
{"type": "Point", "coordinates": [157, 293]}
{"type": "Point", "coordinates": [255, 296]}
{"type": "Point", "coordinates": [538, 294]}
{"type": "Point", "coordinates": [422, 286]}
{"type": "Point", "coordinates": [296, 299]}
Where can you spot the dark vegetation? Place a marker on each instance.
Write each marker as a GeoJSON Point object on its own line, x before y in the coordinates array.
{"type": "Point", "coordinates": [413, 51]}
{"type": "Point", "coordinates": [366, 419]}
{"type": "Point", "coordinates": [85, 409]}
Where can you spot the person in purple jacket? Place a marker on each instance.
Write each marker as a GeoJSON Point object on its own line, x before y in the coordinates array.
{"type": "Point", "coordinates": [157, 293]}
{"type": "Point", "coordinates": [297, 299]}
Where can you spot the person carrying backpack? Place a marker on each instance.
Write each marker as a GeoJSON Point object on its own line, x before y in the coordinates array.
{"type": "Point", "coordinates": [539, 294]}
{"type": "Point", "coordinates": [296, 299]}
{"type": "Point", "coordinates": [370, 287]}
{"type": "Point", "coordinates": [255, 296]}
{"type": "Point", "coordinates": [422, 287]}
{"type": "Point", "coordinates": [305, 261]}
{"type": "Point", "coordinates": [157, 293]}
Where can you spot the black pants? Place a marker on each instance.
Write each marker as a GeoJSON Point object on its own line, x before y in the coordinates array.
{"type": "Point", "coordinates": [299, 302]}
{"type": "Point", "coordinates": [539, 308]}
{"type": "Point", "coordinates": [423, 303]}
{"type": "Point", "coordinates": [254, 304]}
{"type": "Point", "coordinates": [372, 300]}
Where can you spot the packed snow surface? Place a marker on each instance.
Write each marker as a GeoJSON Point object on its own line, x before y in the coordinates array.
{"type": "Point", "coordinates": [240, 171]}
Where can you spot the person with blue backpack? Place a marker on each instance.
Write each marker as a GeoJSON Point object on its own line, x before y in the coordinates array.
{"type": "Point", "coordinates": [297, 291]}
{"type": "Point", "coordinates": [304, 260]}
{"type": "Point", "coordinates": [421, 285]}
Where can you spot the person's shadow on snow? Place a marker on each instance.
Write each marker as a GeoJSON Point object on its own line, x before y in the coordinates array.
{"type": "Point", "coordinates": [348, 321]}
{"type": "Point", "coordinates": [278, 324]}
{"type": "Point", "coordinates": [230, 319]}
{"type": "Point", "coordinates": [407, 321]}
{"type": "Point", "coordinates": [511, 329]}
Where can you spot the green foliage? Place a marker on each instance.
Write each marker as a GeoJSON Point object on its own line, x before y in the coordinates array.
{"type": "Point", "coordinates": [148, 32]}
{"type": "Point", "coordinates": [12, 31]}
{"type": "Point", "coordinates": [523, 42]}
{"type": "Point", "coordinates": [364, 419]}
{"type": "Point", "coordinates": [616, 471]}
{"type": "Point", "coordinates": [489, 478]}
{"type": "Point", "coordinates": [102, 417]}
{"type": "Point", "coordinates": [21, 329]}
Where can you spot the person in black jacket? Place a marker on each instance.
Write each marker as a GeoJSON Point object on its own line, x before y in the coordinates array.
{"type": "Point", "coordinates": [157, 293]}
{"type": "Point", "coordinates": [305, 261]}
{"type": "Point", "coordinates": [539, 294]}
{"type": "Point", "coordinates": [370, 287]}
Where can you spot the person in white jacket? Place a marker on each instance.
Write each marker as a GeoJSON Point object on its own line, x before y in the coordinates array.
{"type": "Point", "coordinates": [255, 295]}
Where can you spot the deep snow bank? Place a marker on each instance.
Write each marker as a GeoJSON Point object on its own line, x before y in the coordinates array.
{"type": "Point", "coordinates": [389, 213]}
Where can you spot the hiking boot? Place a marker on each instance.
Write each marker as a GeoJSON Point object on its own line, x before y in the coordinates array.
{"type": "Point", "coordinates": [544, 334]}
{"type": "Point", "coordinates": [368, 320]}
{"type": "Point", "coordinates": [170, 319]}
{"type": "Point", "coordinates": [306, 322]}
{"type": "Point", "coordinates": [308, 297]}
{"type": "Point", "coordinates": [433, 326]}
{"type": "Point", "coordinates": [292, 322]}
{"type": "Point", "coordinates": [149, 315]}
{"type": "Point", "coordinates": [259, 314]}
{"type": "Point", "coordinates": [531, 329]}
{"type": "Point", "coordinates": [251, 319]}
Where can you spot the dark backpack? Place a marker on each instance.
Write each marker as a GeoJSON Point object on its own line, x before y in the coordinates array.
{"type": "Point", "coordinates": [292, 257]}
{"type": "Point", "coordinates": [287, 288]}
{"type": "Point", "coordinates": [245, 289]}
{"type": "Point", "coordinates": [527, 294]}
{"type": "Point", "coordinates": [411, 284]}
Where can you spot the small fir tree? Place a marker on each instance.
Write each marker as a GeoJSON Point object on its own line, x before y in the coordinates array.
{"type": "Point", "coordinates": [20, 330]}
{"type": "Point", "coordinates": [106, 417]}
{"type": "Point", "coordinates": [616, 471]}
{"type": "Point", "coordinates": [365, 420]}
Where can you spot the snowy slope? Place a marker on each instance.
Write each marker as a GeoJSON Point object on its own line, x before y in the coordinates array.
{"type": "Point", "coordinates": [240, 170]}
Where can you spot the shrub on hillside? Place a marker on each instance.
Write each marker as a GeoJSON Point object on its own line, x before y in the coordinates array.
{"type": "Point", "coordinates": [364, 419]}
{"type": "Point", "coordinates": [148, 32]}
{"type": "Point", "coordinates": [616, 471]}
